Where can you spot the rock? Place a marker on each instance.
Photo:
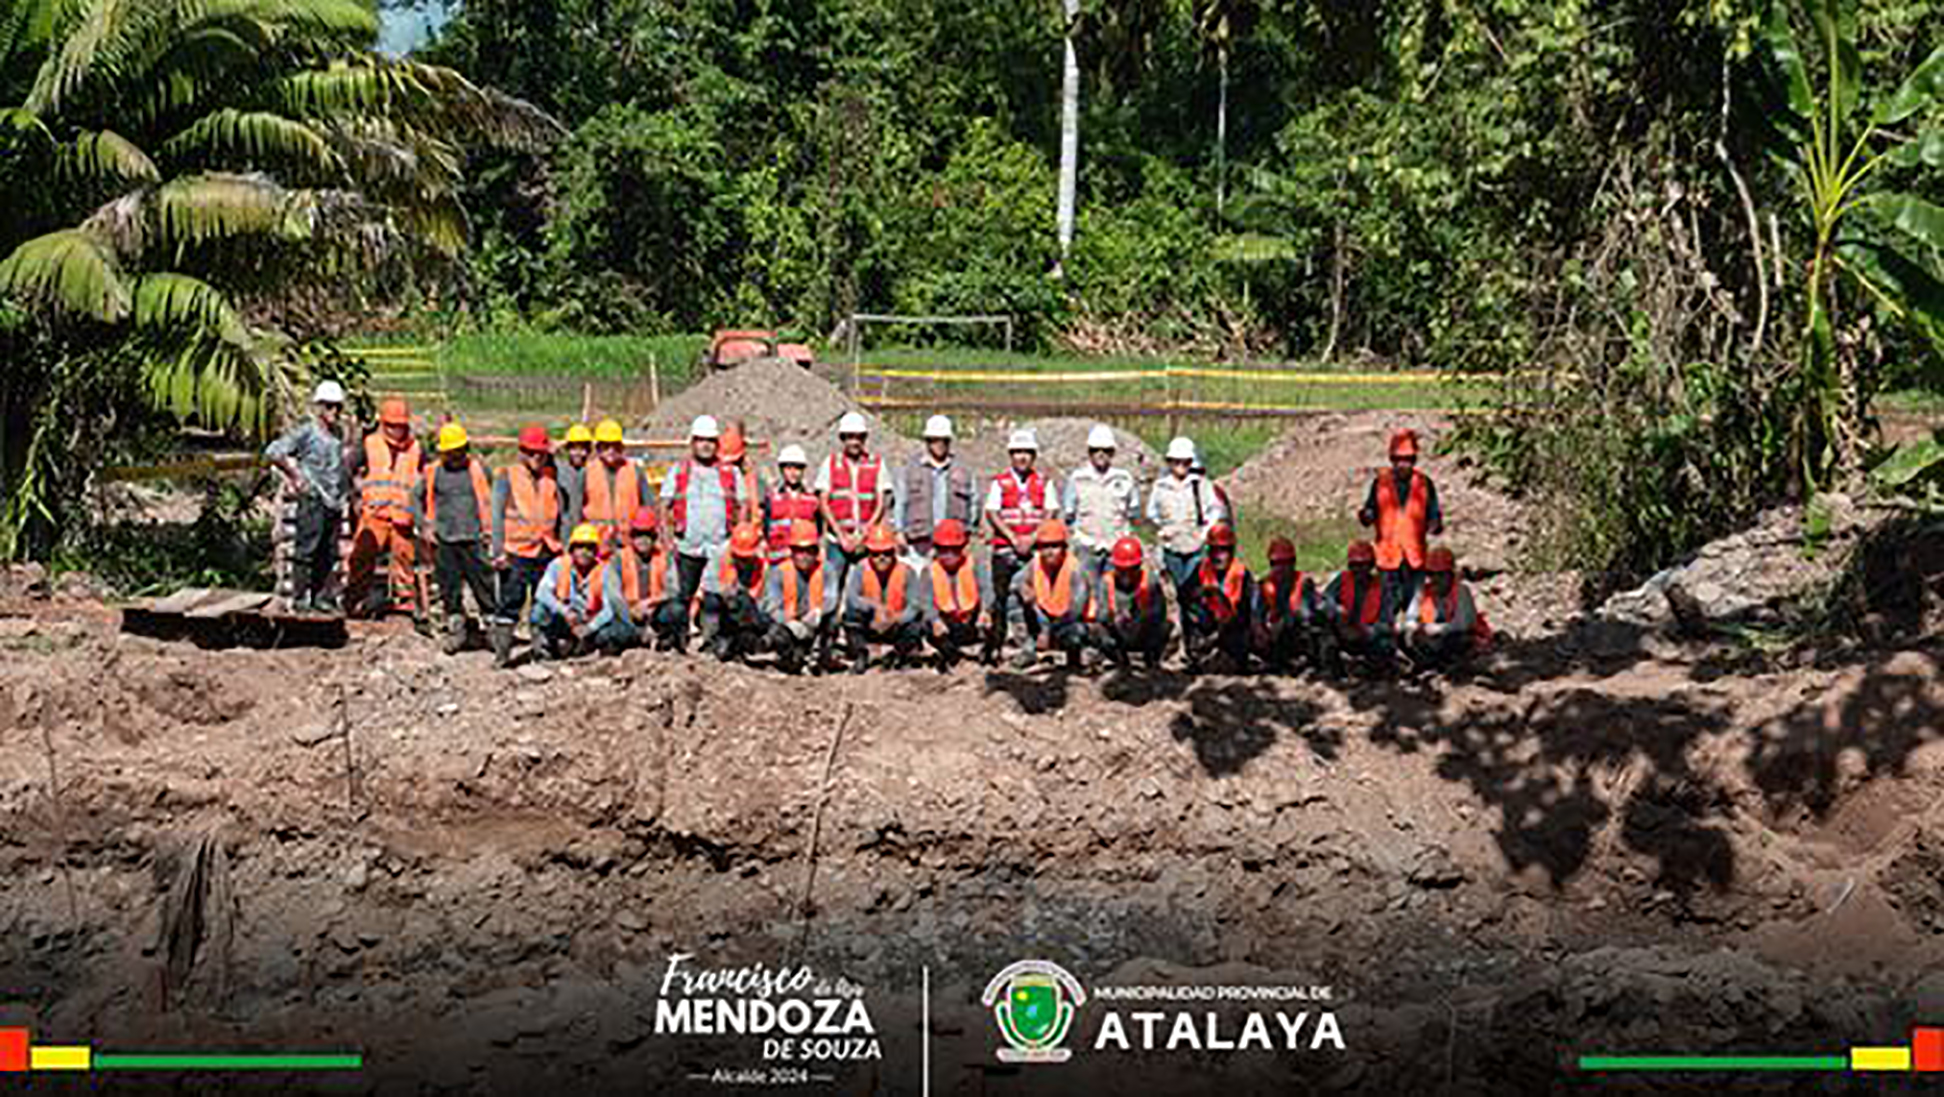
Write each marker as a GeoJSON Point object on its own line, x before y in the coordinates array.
{"type": "Point", "coordinates": [356, 876]}
{"type": "Point", "coordinates": [631, 920]}
{"type": "Point", "coordinates": [311, 735]}
{"type": "Point", "coordinates": [30, 579]}
{"type": "Point", "coordinates": [535, 672]}
{"type": "Point", "coordinates": [1433, 867]}
{"type": "Point", "coordinates": [449, 708]}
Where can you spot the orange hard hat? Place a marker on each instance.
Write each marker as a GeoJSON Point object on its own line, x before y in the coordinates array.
{"type": "Point", "coordinates": [950, 534]}
{"type": "Point", "coordinates": [803, 534]}
{"type": "Point", "coordinates": [534, 440]}
{"type": "Point", "coordinates": [645, 520]}
{"type": "Point", "coordinates": [746, 542]}
{"type": "Point", "coordinates": [1362, 552]}
{"type": "Point", "coordinates": [732, 446]}
{"type": "Point", "coordinates": [1051, 532]}
{"type": "Point", "coordinates": [1404, 444]}
{"type": "Point", "coordinates": [394, 412]}
{"type": "Point", "coordinates": [1127, 553]}
{"type": "Point", "coordinates": [880, 539]}
{"type": "Point", "coordinates": [1281, 551]}
{"type": "Point", "coordinates": [1221, 535]}
{"type": "Point", "coordinates": [1440, 559]}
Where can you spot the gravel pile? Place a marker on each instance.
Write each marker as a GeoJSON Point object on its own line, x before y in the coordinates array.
{"type": "Point", "coordinates": [777, 401]}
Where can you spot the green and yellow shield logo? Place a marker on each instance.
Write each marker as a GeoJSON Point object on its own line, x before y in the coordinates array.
{"type": "Point", "coordinates": [1033, 1002]}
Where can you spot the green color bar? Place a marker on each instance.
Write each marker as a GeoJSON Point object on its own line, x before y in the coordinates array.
{"type": "Point", "coordinates": [1714, 1062]}
{"type": "Point", "coordinates": [229, 1062]}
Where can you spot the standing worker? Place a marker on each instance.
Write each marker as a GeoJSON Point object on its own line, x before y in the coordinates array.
{"type": "Point", "coordinates": [790, 502]}
{"type": "Point", "coordinates": [311, 458]}
{"type": "Point", "coordinates": [1217, 611]}
{"type": "Point", "coordinates": [734, 625]}
{"type": "Point", "coordinates": [615, 487]}
{"type": "Point", "coordinates": [700, 499]}
{"type": "Point", "coordinates": [1182, 510]}
{"type": "Point", "coordinates": [955, 598]}
{"type": "Point", "coordinates": [932, 489]}
{"type": "Point", "coordinates": [576, 607]}
{"type": "Point", "coordinates": [733, 451]}
{"type": "Point", "coordinates": [1360, 608]}
{"type": "Point", "coordinates": [1403, 505]}
{"type": "Point", "coordinates": [526, 532]}
{"type": "Point", "coordinates": [853, 491]}
{"type": "Point", "coordinates": [1100, 502]}
{"type": "Point", "coordinates": [1442, 625]}
{"type": "Point", "coordinates": [384, 470]}
{"type": "Point", "coordinates": [880, 606]}
{"type": "Point", "coordinates": [801, 604]}
{"type": "Point", "coordinates": [1019, 502]}
{"type": "Point", "coordinates": [1132, 609]}
{"type": "Point", "coordinates": [651, 614]}
{"type": "Point", "coordinates": [453, 511]}
{"type": "Point", "coordinates": [572, 476]}
{"type": "Point", "coordinates": [1290, 624]}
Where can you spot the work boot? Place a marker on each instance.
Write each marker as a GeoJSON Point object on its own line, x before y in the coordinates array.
{"type": "Point", "coordinates": [541, 647]}
{"type": "Point", "coordinates": [1026, 658]}
{"type": "Point", "coordinates": [711, 628]}
{"type": "Point", "coordinates": [502, 636]}
{"type": "Point", "coordinates": [859, 652]}
{"type": "Point", "coordinates": [455, 639]}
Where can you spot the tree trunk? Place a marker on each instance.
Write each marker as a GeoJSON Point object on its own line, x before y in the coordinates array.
{"type": "Point", "coordinates": [1221, 127]}
{"type": "Point", "coordinates": [1069, 131]}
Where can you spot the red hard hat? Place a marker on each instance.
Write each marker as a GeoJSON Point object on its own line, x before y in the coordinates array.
{"type": "Point", "coordinates": [1281, 551]}
{"type": "Point", "coordinates": [746, 542]}
{"type": "Point", "coordinates": [645, 520]}
{"type": "Point", "coordinates": [1051, 532]}
{"type": "Point", "coordinates": [1127, 553]}
{"type": "Point", "coordinates": [395, 412]}
{"type": "Point", "coordinates": [1362, 552]}
{"type": "Point", "coordinates": [950, 534]}
{"type": "Point", "coordinates": [1404, 444]}
{"type": "Point", "coordinates": [880, 539]}
{"type": "Point", "coordinates": [1440, 559]}
{"type": "Point", "coordinates": [803, 534]}
{"type": "Point", "coordinates": [1221, 535]}
{"type": "Point", "coordinates": [534, 440]}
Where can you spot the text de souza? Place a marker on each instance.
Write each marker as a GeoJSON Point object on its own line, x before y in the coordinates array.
{"type": "Point", "coordinates": [798, 1016]}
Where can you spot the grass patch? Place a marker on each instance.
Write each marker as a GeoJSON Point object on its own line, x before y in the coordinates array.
{"type": "Point", "coordinates": [619, 357]}
{"type": "Point", "coordinates": [1918, 401]}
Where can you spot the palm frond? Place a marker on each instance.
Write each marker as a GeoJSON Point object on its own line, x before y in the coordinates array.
{"type": "Point", "coordinates": [170, 300]}
{"type": "Point", "coordinates": [196, 209]}
{"type": "Point", "coordinates": [259, 138]}
{"type": "Point", "coordinates": [208, 379]}
{"type": "Point", "coordinates": [106, 154]}
{"type": "Point", "coordinates": [70, 270]}
{"type": "Point", "coordinates": [431, 96]}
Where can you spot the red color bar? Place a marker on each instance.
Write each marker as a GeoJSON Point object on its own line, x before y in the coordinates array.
{"type": "Point", "coordinates": [1927, 1048]}
{"type": "Point", "coordinates": [13, 1050]}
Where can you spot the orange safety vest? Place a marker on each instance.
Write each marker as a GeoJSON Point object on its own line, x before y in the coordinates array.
{"type": "Point", "coordinates": [611, 508]}
{"type": "Point", "coordinates": [482, 494]}
{"type": "Point", "coordinates": [785, 507]}
{"type": "Point", "coordinates": [678, 508]}
{"type": "Point", "coordinates": [1430, 612]}
{"type": "Point", "coordinates": [1021, 506]}
{"type": "Point", "coordinates": [1054, 596]}
{"type": "Point", "coordinates": [1282, 603]}
{"type": "Point", "coordinates": [851, 487]}
{"type": "Point", "coordinates": [726, 571]}
{"type": "Point", "coordinates": [789, 577]}
{"type": "Point", "coordinates": [1224, 608]}
{"type": "Point", "coordinates": [388, 476]}
{"type": "Point", "coordinates": [1400, 528]}
{"type": "Point", "coordinates": [532, 513]}
{"type": "Point", "coordinates": [1373, 599]}
{"type": "Point", "coordinates": [1143, 595]}
{"type": "Point", "coordinates": [894, 599]}
{"type": "Point", "coordinates": [955, 596]}
{"type": "Point", "coordinates": [630, 563]}
{"type": "Point", "coordinates": [596, 587]}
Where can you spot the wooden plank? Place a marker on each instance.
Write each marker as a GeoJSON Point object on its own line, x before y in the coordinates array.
{"type": "Point", "coordinates": [181, 601]}
{"type": "Point", "coordinates": [237, 602]}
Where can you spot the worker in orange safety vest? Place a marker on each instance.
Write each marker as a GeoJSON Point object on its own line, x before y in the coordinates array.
{"type": "Point", "coordinates": [1132, 608]}
{"type": "Point", "coordinates": [526, 532]}
{"type": "Point", "coordinates": [1403, 506]}
{"type": "Point", "coordinates": [734, 625]}
{"type": "Point", "coordinates": [802, 603]}
{"type": "Point", "coordinates": [1290, 622]}
{"type": "Point", "coordinates": [1361, 609]}
{"type": "Point", "coordinates": [384, 468]}
{"type": "Point", "coordinates": [652, 612]}
{"type": "Point", "coordinates": [955, 597]}
{"type": "Point", "coordinates": [1443, 626]}
{"type": "Point", "coordinates": [1055, 592]}
{"type": "Point", "coordinates": [1218, 605]}
{"type": "Point", "coordinates": [615, 487]}
{"type": "Point", "coordinates": [881, 603]}
{"type": "Point", "coordinates": [577, 607]}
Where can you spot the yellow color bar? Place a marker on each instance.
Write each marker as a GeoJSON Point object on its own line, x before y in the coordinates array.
{"type": "Point", "coordinates": [60, 1058]}
{"type": "Point", "coordinates": [1879, 1058]}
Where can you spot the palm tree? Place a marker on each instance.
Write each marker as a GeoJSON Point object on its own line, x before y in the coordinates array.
{"type": "Point", "coordinates": [168, 163]}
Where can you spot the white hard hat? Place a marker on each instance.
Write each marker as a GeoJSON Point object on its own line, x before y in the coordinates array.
{"type": "Point", "coordinates": [1101, 437]}
{"type": "Point", "coordinates": [1023, 438]}
{"type": "Point", "coordinates": [793, 455]}
{"type": "Point", "coordinates": [853, 423]}
{"type": "Point", "coordinates": [328, 392]}
{"type": "Point", "coordinates": [705, 427]}
{"type": "Point", "coordinates": [1181, 449]}
{"type": "Point", "coordinates": [939, 426]}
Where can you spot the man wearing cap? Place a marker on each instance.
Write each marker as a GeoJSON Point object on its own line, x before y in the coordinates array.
{"type": "Point", "coordinates": [615, 487]}
{"type": "Point", "coordinates": [1132, 608]}
{"type": "Point", "coordinates": [1020, 499]}
{"type": "Point", "coordinates": [1442, 625]}
{"type": "Point", "coordinates": [881, 603]}
{"type": "Point", "coordinates": [801, 603]}
{"type": "Point", "coordinates": [576, 608]}
{"type": "Point", "coordinates": [1290, 619]}
{"type": "Point", "coordinates": [932, 489]}
{"type": "Point", "coordinates": [648, 609]}
{"type": "Point", "coordinates": [384, 469]}
{"type": "Point", "coordinates": [955, 597]}
{"type": "Point", "coordinates": [452, 510]}
{"type": "Point", "coordinates": [1183, 510]}
{"type": "Point", "coordinates": [1216, 614]}
{"type": "Point", "coordinates": [701, 496]}
{"type": "Point", "coordinates": [1100, 502]}
{"type": "Point", "coordinates": [1403, 505]}
{"type": "Point", "coordinates": [572, 475]}
{"type": "Point", "coordinates": [789, 502]}
{"type": "Point", "coordinates": [852, 490]}
{"type": "Point", "coordinates": [734, 625]}
{"type": "Point", "coordinates": [1056, 596]}
{"type": "Point", "coordinates": [311, 458]}
{"type": "Point", "coordinates": [526, 532]}
{"type": "Point", "coordinates": [1360, 608]}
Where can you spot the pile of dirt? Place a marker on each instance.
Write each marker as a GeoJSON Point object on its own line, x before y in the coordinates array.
{"type": "Point", "coordinates": [1063, 447]}
{"type": "Point", "coordinates": [775, 400]}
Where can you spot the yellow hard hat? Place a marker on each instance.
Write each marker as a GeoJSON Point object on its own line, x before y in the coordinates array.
{"type": "Point", "coordinates": [578, 433]}
{"type": "Point", "coordinates": [585, 534]}
{"type": "Point", "coordinates": [452, 436]}
{"type": "Point", "coordinates": [607, 431]}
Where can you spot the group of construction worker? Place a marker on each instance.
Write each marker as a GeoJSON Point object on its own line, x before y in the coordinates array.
{"type": "Point", "coordinates": [858, 563]}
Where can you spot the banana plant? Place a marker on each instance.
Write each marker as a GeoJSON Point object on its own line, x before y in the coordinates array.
{"type": "Point", "coordinates": [1870, 244]}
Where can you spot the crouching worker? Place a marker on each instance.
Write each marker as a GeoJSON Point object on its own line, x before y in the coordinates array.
{"type": "Point", "coordinates": [1289, 622]}
{"type": "Point", "coordinates": [1443, 627]}
{"type": "Point", "coordinates": [800, 603]}
{"type": "Point", "coordinates": [577, 607]}
{"type": "Point", "coordinates": [878, 603]}
{"type": "Point", "coordinates": [651, 611]}
{"type": "Point", "coordinates": [734, 625]}
{"type": "Point", "coordinates": [957, 598]}
{"type": "Point", "coordinates": [1057, 596]}
{"type": "Point", "coordinates": [1133, 611]}
{"type": "Point", "coordinates": [1216, 611]}
{"type": "Point", "coordinates": [1358, 601]}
